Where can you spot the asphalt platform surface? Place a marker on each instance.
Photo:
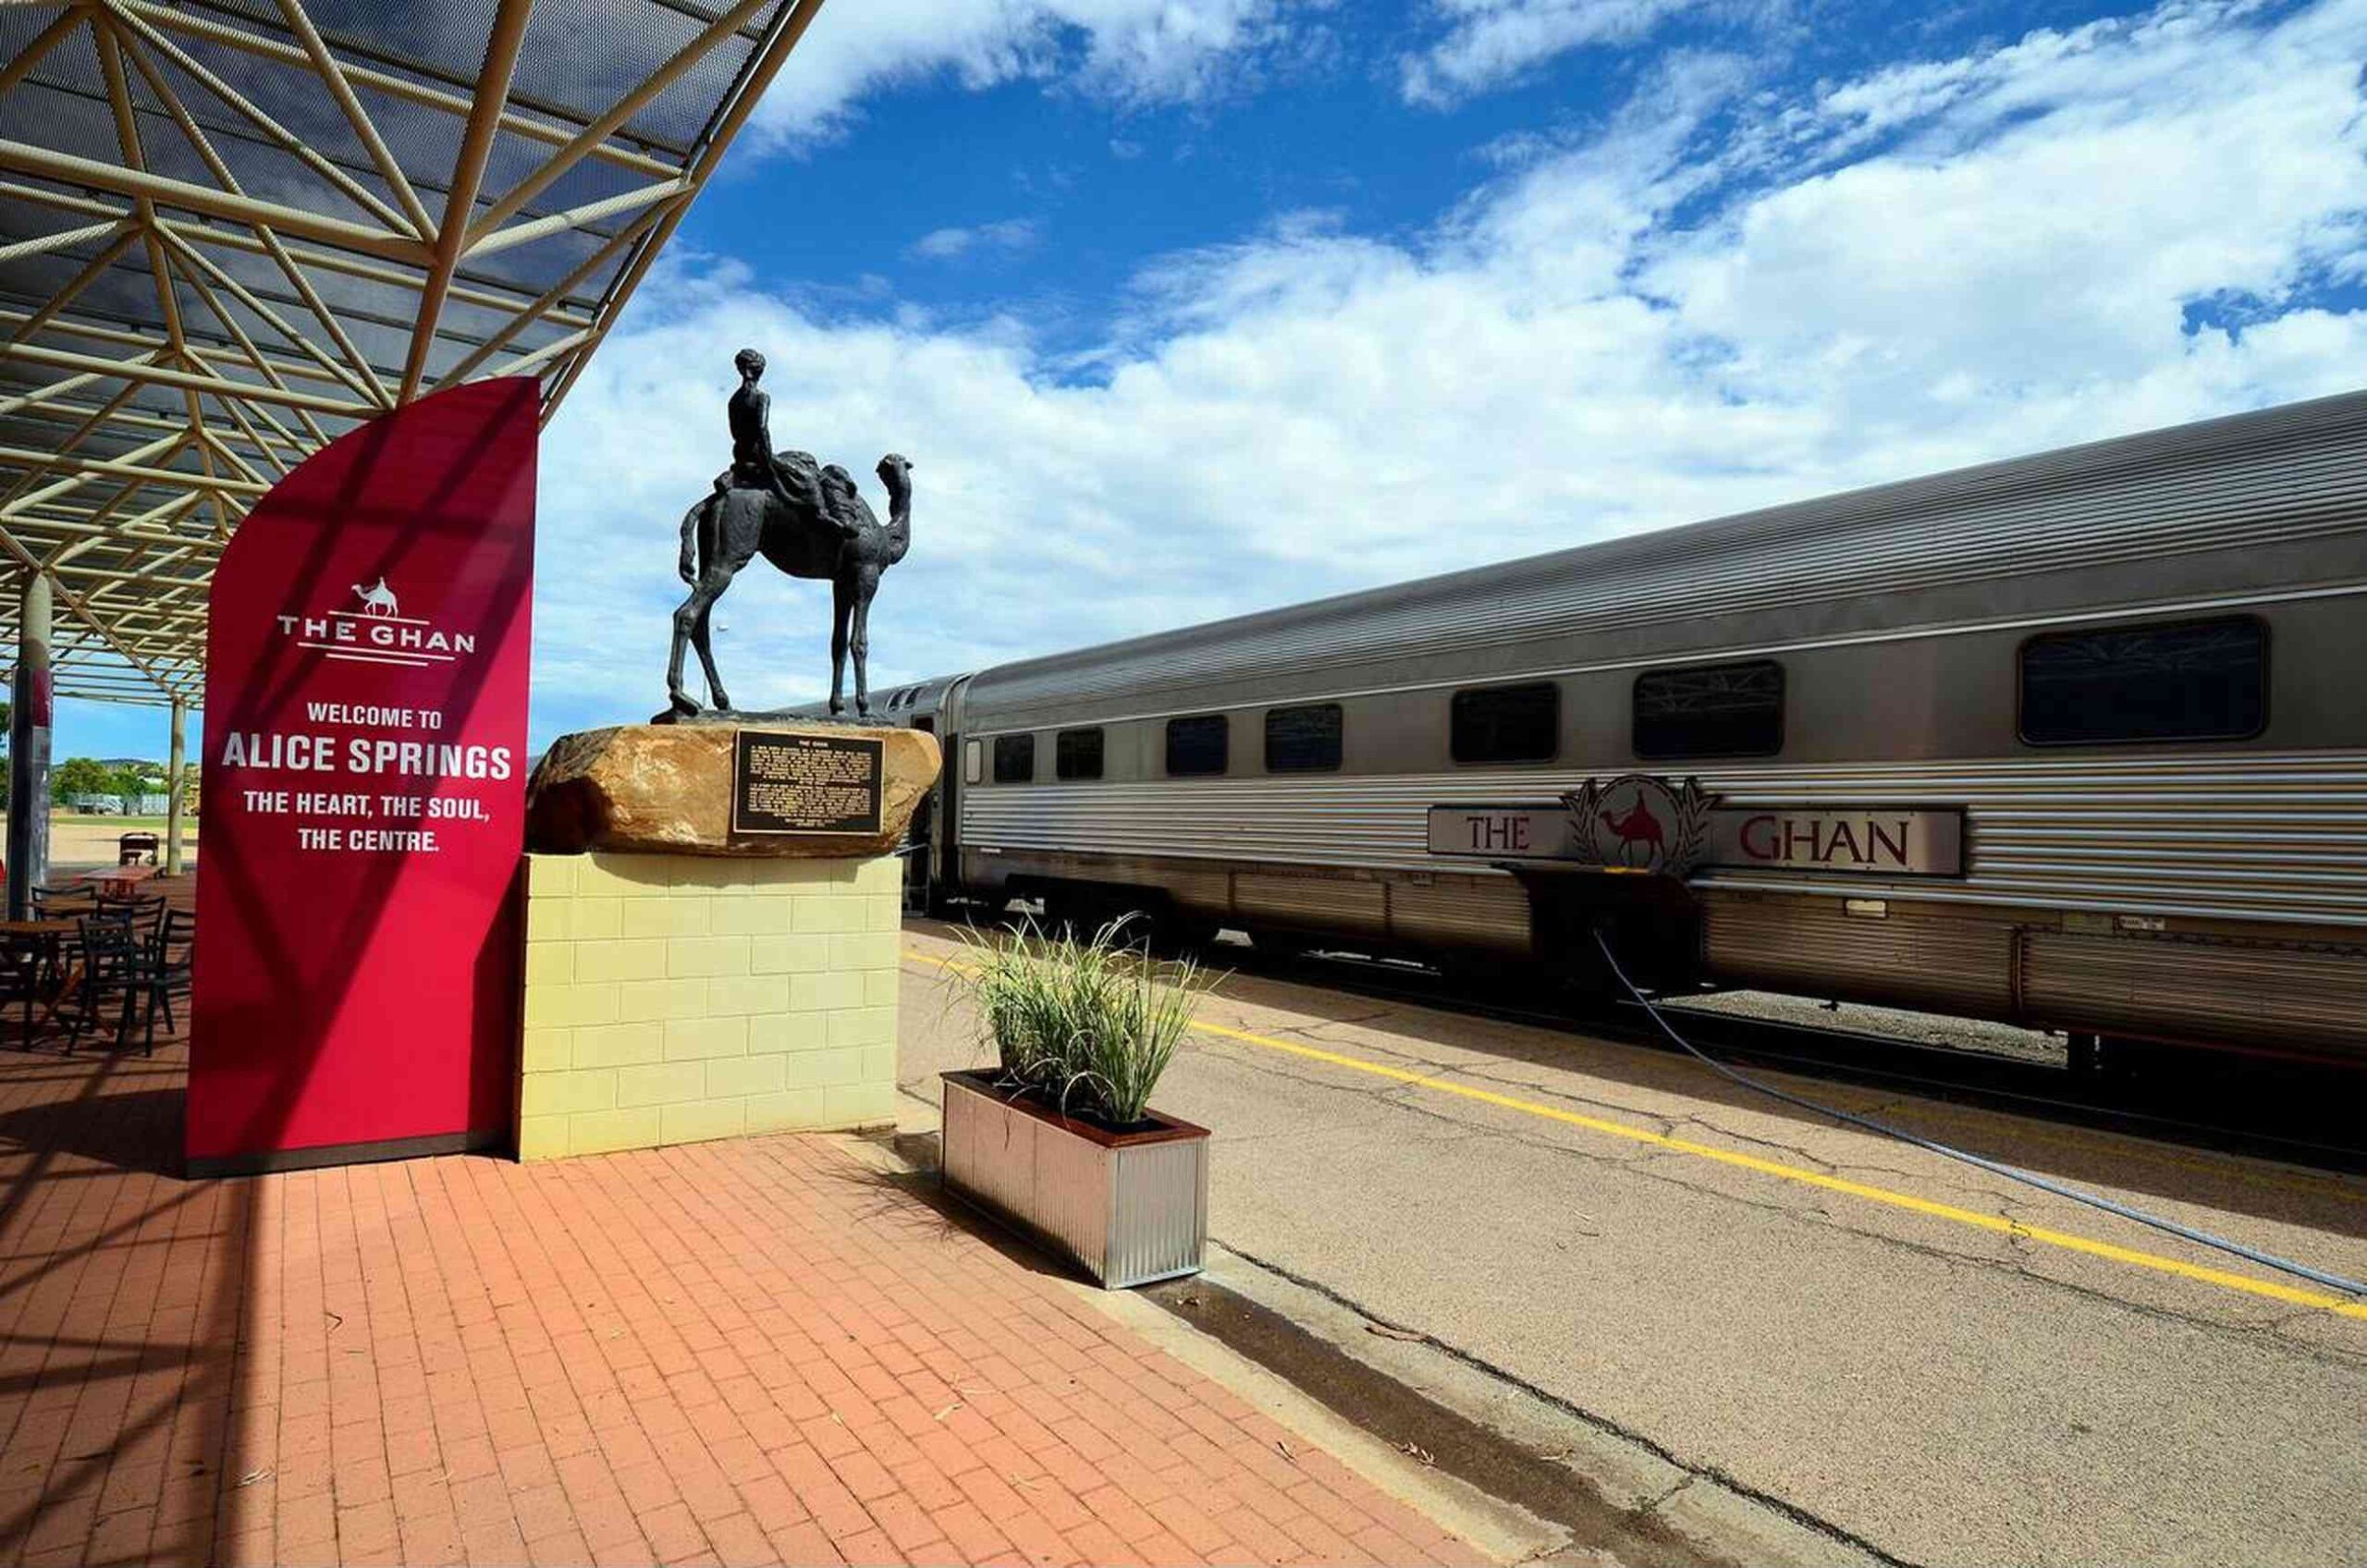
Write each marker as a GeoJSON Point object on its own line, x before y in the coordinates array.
{"type": "Point", "coordinates": [1909, 1358]}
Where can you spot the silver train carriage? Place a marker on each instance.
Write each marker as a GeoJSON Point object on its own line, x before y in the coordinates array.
{"type": "Point", "coordinates": [2076, 741]}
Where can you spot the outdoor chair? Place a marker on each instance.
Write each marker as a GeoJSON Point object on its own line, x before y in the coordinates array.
{"type": "Point", "coordinates": [115, 964]}
{"type": "Point", "coordinates": [146, 910]}
{"type": "Point", "coordinates": [21, 975]}
{"type": "Point", "coordinates": [135, 849]}
{"type": "Point", "coordinates": [172, 954]}
{"type": "Point", "coordinates": [60, 903]}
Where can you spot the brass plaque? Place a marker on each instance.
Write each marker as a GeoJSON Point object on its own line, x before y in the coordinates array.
{"type": "Point", "coordinates": [799, 783]}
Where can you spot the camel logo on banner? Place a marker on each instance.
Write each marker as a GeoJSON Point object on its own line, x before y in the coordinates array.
{"type": "Point", "coordinates": [377, 633]}
{"type": "Point", "coordinates": [1642, 824]}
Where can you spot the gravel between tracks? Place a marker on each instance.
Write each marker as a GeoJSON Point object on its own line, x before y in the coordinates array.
{"type": "Point", "coordinates": [1897, 1023]}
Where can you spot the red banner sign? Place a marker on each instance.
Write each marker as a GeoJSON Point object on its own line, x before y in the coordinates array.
{"type": "Point", "coordinates": [364, 792]}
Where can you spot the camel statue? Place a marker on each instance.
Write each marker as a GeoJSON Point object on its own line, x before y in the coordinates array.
{"type": "Point", "coordinates": [816, 526]}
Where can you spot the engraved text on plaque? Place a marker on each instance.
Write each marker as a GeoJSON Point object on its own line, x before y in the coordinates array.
{"type": "Point", "coordinates": [785, 783]}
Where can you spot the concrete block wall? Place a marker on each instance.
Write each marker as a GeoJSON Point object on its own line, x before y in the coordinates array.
{"type": "Point", "coordinates": [671, 999]}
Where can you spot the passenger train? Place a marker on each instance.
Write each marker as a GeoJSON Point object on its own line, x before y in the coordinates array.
{"type": "Point", "coordinates": [2074, 742]}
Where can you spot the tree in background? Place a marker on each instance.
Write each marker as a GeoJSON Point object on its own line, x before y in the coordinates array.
{"type": "Point", "coordinates": [81, 776]}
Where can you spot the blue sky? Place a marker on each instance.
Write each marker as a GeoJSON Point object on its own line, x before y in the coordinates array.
{"type": "Point", "coordinates": [1184, 308]}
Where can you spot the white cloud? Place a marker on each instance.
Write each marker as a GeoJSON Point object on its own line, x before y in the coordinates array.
{"type": "Point", "coordinates": [1488, 43]}
{"type": "Point", "coordinates": [1313, 409]}
{"type": "Point", "coordinates": [945, 244]}
{"type": "Point", "coordinates": [1132, 51]}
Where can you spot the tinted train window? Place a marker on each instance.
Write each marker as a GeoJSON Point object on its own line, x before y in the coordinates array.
{"type": "Point", "coordinates": [1076, 753]}
{"type": "Point", "coordinates": [1303, 740]}
{"type": "Point", "coordinates": [1506, 724]}
{"type": "Point", "coordinates": [1196, 745]}
{"type": "Point", "coordinates": [1014, 759]}
{"type": "Point", "coordinates": [1719, 710]}
{"type": "Point", "coordinates": [2201, 680]}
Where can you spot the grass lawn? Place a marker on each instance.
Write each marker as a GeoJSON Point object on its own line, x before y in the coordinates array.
{"type": "Point", "coordinates": [76, 839]}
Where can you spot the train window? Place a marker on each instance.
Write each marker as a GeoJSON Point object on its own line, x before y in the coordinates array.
{"type": "Point", "coordinates": [1014, 759]}
{"type": "Point", "coordinates": [1506, 724]}
{"type": "Point", "coordinates": [1303, 740]}
{"type": "Point", "coordinates": [1712, 710]}
{"type": "Point", "coordinates": [970, 750]}
{"type": "Point", "coordinates": [2197, 680]}
{"type": "Point", "coordinates": [1196, 745]}
{"type": "Point", "coordinates": [1076, 753]}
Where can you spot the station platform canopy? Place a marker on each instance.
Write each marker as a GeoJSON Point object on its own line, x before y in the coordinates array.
{"type": "Point", "coordinates": [230, 230]}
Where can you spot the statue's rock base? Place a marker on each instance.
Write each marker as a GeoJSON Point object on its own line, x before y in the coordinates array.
{"type": "Point", "coordinates": [666, 790]}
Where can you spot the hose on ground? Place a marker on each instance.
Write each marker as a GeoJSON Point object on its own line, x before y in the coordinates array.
{"type": "Point", "coordinates": [1995, 1167]}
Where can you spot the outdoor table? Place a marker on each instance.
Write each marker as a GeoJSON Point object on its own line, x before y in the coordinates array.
{"type": "Point", "coordinates": [50, 935]}
{"type": "Point", "coordinates": [121, 875]}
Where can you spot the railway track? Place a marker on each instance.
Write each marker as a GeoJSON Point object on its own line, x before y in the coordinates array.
{"type": "Point", "coordinates": [2262, 1107]}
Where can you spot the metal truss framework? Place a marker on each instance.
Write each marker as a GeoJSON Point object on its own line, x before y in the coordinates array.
{"type": "Point", "coordinates": [230, 230]}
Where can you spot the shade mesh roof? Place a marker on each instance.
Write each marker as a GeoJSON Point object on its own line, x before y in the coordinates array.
{"type": "Point", "coordinates": [230, 230]}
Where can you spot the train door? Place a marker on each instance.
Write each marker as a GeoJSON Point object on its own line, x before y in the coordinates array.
{"type": "Point", "coordinates": [947, 879]}
{"type": "Point", "coordinates": [920, 840]}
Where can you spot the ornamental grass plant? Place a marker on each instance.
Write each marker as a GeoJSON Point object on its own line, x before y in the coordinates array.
{"type": "Point", "coordinates": [1086, 1026]}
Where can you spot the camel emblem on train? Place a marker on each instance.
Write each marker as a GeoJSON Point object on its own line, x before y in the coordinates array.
{"type": "Point", "coordinates": [379, 599]}
{"type": "Point", "coordinates": [1638, 823]}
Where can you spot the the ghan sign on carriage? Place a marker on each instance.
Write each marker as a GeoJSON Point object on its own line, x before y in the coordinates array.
{"type": "Point", "coordinates": [362, 798]}
{"type": "Point", "coordinates": [791, 783]}
{"type": "Point", "coordinates": [1638, 823]}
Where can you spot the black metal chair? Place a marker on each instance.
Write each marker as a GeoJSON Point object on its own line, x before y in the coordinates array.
{"type": "Point", "coordinates": [22, 974]}
{"type": "Point", "coordinates": [172, 957]}
{"type": "Point", "coordinates": [60, 903]}
{"type": "Point", "coordinates": [115, 963]}
{"type": "Point", "coordinates": [146, 910]}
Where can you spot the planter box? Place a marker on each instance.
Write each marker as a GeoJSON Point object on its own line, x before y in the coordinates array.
{"type": "Point", "coordinates": [1128, 1207]}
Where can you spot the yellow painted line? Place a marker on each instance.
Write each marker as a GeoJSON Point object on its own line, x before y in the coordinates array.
{"type": "Point", "coordinates": [2244, 1283]}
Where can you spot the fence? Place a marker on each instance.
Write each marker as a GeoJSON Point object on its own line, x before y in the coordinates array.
{"type": "Point", "coordinates": [127, 806]}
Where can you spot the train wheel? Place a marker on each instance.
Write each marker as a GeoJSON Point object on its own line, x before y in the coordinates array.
{"type": "Point", "coordinates": [1073, 916]}
{"type": "Point", "coordinates": [2101, 1059]}
{"type": "Point", "coordinates": [1177, 935]}
{"type": "Point", "coordinates": [1281, 944]}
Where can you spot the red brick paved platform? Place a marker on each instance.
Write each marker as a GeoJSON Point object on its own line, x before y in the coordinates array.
{"type": "Point", "coordinates": [747, 1351]}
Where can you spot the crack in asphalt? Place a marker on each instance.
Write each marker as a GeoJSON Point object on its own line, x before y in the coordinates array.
{"type": "Point", "coordinates": [1798, 1151]}
{"type": "Point", "coordinates": [1309, 1029]}
{"type": "Point", "coordinates": [1654, 1506]}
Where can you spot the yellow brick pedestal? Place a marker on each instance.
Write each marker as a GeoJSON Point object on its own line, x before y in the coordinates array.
{"type": "Point", "coordinates": [671, 999]}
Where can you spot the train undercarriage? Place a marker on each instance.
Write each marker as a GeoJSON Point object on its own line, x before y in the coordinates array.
{"type": "Point", "coordinates": [2114, 985]}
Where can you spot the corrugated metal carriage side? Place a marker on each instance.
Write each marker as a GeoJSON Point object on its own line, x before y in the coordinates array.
{"type": "Point", "coordinates": [2205, 880]}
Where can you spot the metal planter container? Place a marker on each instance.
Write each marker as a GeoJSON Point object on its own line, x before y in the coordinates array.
{"type": "Point", "coordinates": [1127, 1207]}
